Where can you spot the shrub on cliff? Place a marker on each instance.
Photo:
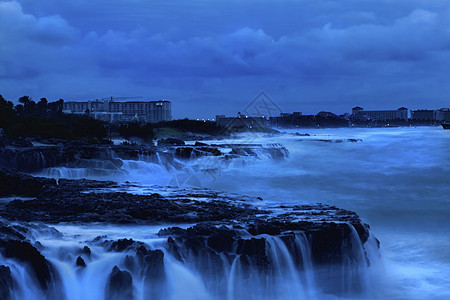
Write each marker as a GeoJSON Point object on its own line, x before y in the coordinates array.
{"type": "Point", "coordinates": [135, 129]}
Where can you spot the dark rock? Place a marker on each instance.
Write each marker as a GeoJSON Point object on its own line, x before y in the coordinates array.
{"type": "Point", "coordinates": [83, 184]}
{"type": "Point", "coordinates": [119, 285]}
{"type": "Point", "coordinates": [154, 265]}
{"type": "Point", "coordinates": [222, 240]}
{"type": "Point", "coordinates": [29, 159]}
{"type": "Point", "coordinates": [8, 232]}
{"type": "Point", "coordinates": [154, 275]}
{"type": "Point", "coordinates": [6, 283]}
{"type": "Point", "coordinates": [200, 144]}
{"type": "Point", "coordinates": [25, 252]}
{"type": "Point", "coordinates": [123, 245]}
{"type": "Point", "coordinates": [251, 247]}
{"type": "Point", "coordinates": [174, 249]}
{"type": "Point", "coordinates": [211, 150]}
{"type": "Point", "coordinates": [171, 142]}
{"type": "Point", "coordinates": [80, 262]}
{"type": "Point", "coordinates": [21, 143]}
{"type": "Point", "coordinates": [331, 243]}
{"type": "Point", "coordinates": [70, 154]}
{"type": "Point", "coordinates": [184, 152]}
{"type": "Point", "coordinates": [14, 183]}
{"type": "Point", "coordinates": [129, 263]}
{"type": "Point", "coordinates": [86, 251]}
{"type": "Point", "coordinates": [274, 151]}
{"type": "Point", "coordinates": [191, 152]}
{"type": "Point", "coordinates": [264, 228]}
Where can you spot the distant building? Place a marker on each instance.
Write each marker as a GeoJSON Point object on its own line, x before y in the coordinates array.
{"type": "Point", "coordinates": [436, 116]}
{"type": "Point", "coordinates": [423, 115]}
{"type": "Point", "coordinates": [114, 111]}
{"type": "Point", "coordinates": [442, 115]}
{"type": "Point", "coordinates": [358, 113]}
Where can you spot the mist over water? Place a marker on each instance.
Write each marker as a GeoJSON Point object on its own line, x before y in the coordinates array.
{"type": "Point", "coordinates": [396, 179]}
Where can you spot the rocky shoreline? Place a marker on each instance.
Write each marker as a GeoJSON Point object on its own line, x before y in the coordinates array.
{"type": "Point", "coordinates": [33, 156]}
{"type": "Point", "coordinates": [223, 227]}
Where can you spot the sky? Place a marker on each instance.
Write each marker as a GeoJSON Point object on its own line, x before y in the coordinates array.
{"type": "Point", "coordinates": [213, 57]}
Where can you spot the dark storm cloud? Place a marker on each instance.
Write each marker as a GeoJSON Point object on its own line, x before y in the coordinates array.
{"type": "Point", "coordinates": [217, 54]}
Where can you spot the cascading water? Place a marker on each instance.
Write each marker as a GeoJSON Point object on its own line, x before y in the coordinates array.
{"type": "Point", "coordinates": [283, 270]}
{"type": "Point", "coordinates": [396, 178]}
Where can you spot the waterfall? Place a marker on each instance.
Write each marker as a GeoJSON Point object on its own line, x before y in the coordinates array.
{"type": "Point", "coordinates": [282, 269]}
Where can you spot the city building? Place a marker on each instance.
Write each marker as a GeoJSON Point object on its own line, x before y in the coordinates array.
{"type": "Point", "coordinates": [358, 113]}
{"type": "Point", "coordinates": [423, 115]}
{"type": "Point", "coordinates": [442, 115]}
{"type": "Point", "coordinates": [434, 116]}
{"type": "Point", "coordinates": [127, 111]}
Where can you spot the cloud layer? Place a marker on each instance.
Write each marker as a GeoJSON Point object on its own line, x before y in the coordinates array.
{"type": "Point", "coordinates": [212, 57]}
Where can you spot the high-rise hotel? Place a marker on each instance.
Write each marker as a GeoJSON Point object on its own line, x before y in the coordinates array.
{"type": "Point", "coordinates": [127, 111]}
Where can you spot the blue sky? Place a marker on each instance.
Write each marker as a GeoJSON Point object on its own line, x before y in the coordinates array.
{"type": "Point", "coordinates": [213, 57]}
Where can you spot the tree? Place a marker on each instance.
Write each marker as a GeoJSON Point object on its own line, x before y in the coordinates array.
{"type": "Point", "coordinates": [41, 107]}
{"type": "Point", "coordinates": [30, 108]}
{"type": "Point", "coordinates": [19, 109]}
{"type": "Point", "coordinates": [25, 99]}
{"type": "Point", "coordinates": [7, 114]}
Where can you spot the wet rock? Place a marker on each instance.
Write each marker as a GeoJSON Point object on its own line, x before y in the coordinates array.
{"type": "Point", "coordinates": [129, 263]}
{"type": "Point", "coordinates": [83, 184]}
{"type": "Point", "coordinates": [251, 246]}
{"type": "Point", "coordinates": [123, 245]}
{"type": "Point", "coordinates": [174, 249]}
{"type": "Point", "coordinates": [21, 143]}
{"type": "Point", "coordinates": [80, 262]}
{"type": "Point", "coordinates": [86, 251]}
{"type": "Point", "coordinates": [25, 252]}
{"type": "Point", "coordinates": [192, 152]}
{"type": "Point", "coordinates": [170, 142]}
{"type": "Point", "coordinates": [6, 283]}
{"type": "Point", "coordinates": [184, 152]}
{"type": "Point", "coordinates": [8, 232]}
{"type": "Point", "coordinates": [119, 285]}
{"type": "Point", "coordinates": [29, 159]}
{"type": "Point", "coordinates": [273, 151]}
{"type": "Point", "coordinates": [226, 227]}
{"type": "Point", "coordinates": [70, 154]}
{"type": "Point", "coordinates": [211, 150]}
{"type": "Point", "coordinates": [261, 227]}
{"type": "Point", "coordinates": [154, 275]}
{"type": "Point", "coordinates": [15, 183]}
{"type": "Point", "coordinates": [221, 240]}
{"type": "Point", "coordinates": [154, 265]}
